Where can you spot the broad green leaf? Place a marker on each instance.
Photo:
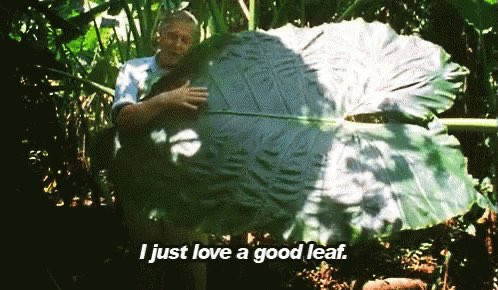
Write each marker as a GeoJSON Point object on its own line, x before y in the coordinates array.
{"type": "Point", "coordinates": [86, 18]}
{"type": "Point", "coordinates": [103, 72]}
{"type": "Point", "coordinates": [90, 42]}
{"type": "Point", "coordinates": [482, 14]}
{"type": "Point", "coordinates": [274, 151]}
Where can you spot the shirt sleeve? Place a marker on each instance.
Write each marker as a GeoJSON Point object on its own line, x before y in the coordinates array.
{"type": "Point", "coordinates": [126, 91]}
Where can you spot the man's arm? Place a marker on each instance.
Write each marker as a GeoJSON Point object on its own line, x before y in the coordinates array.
{"type": "Point", "coordinates": [136, 117]}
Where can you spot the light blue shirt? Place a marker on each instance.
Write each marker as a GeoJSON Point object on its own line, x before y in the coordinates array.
{"type": "Point", "coordinates": [135, 79]}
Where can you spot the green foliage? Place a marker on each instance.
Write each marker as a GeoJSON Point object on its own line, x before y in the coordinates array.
{"type": "Point", "coordinates": [61, 111]}
{"type": "Point", "coordinates": [91, 53]}
{"type": "Point", "coordinates": [103, 72]}
{"type": "Point", "coordinates": [479, 13]}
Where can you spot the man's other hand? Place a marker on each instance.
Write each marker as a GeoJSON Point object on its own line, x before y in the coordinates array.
{"type": "Point", "coordinates": [185, 96]}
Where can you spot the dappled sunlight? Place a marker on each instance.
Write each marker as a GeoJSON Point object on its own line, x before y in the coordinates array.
{"type": "Point", "coordinates": [184, 143]}
{"type": "Point", "coordinates": [158, 136]}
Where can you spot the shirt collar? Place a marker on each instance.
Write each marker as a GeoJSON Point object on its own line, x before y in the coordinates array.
{"type": "Point", "coordinates": [155, 67]}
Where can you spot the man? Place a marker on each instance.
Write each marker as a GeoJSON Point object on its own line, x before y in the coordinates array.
{"type": "Point", "coordinates": [177, 34]}
{"type": "Point", "coordinates": [133, 114]}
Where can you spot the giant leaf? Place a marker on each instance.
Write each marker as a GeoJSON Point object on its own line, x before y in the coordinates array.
{"type": "Point", "coordinates": [279, 147]}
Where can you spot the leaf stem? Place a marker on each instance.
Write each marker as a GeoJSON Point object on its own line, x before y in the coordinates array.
{"type": "Point", "coordinates": [133, 28]}
{"type": "Point", "coordinates": [219, 21]}
{"type": "Point", "coordinates": [471, 124]}
{"type": "Point", "coordinates": [351, 9]}
{"type": "Point", "coordinates": [252, 15]}
{"type": "Point", "coordinates": [276, 116]}
{"type": "Point", "coordinates": [244, 8]}
{"type": "Point", "coordinates": [453, 124]}
{"type": "Point", "coordinates": [98, 86]}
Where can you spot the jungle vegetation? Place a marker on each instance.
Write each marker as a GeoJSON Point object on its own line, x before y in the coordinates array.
{"type": "Point", "coordinates": [62, 59]}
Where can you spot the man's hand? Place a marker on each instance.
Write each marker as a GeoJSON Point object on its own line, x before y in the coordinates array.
{"type": "Point", "coordinates": [185, 96]}
{"type": "Point", "coordinates": [136, 117]}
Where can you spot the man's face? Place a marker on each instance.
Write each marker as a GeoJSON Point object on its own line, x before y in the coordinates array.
{"type": "Point", "coordinates": [175, 40]}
